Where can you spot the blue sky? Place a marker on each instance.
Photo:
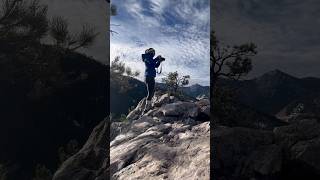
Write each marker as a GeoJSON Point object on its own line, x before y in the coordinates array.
{"type": "Point", "coordinates": [179, 30]}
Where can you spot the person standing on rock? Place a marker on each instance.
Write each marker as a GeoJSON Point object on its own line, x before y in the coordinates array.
{"type": "Point", "coordinates": [150, 73]}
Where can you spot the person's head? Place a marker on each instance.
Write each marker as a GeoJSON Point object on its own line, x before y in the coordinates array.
{"type": "Point", "coordinates": [150, 51]}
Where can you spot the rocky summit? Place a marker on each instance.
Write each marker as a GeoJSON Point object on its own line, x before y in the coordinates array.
{"type": "Point", "coordinates": [170, 141]}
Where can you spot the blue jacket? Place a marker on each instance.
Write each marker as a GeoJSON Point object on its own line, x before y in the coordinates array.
{"type": "Point", "coordinates": [151, 65]}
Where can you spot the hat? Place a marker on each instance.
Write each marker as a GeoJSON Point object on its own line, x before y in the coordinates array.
{"type": "Point", "coordinates": [150, 51]}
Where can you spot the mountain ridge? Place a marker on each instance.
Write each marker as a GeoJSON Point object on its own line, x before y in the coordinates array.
{"type": "Point", "coordinates": [273, 90]}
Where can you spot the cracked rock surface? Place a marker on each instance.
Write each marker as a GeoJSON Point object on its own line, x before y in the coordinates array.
{"type": "Point", "coordinates": [162, 151]}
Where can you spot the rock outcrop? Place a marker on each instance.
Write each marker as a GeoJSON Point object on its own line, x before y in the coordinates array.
{"type": "Point", "coordinates": [287, 152]}
{"type": "Point", "coordinates": [170, 141]}
{"type": "Point", "coordinates": [153, 150]}
{"type": "Point", "coordinates": [91, 162]}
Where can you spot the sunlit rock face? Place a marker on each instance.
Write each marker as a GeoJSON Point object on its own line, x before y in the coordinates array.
{"type": "Point", "coordinates": [170, 141]}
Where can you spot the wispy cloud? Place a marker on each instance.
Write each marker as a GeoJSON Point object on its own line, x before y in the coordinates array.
{"type": "Point", "coordinates": [178, 30]}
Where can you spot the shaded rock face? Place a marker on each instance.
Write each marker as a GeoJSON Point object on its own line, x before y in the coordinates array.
{"type": "Point", "coordinates": [92, 161]}
{"type": "Point", "coordinates": [251, 143]}
{"type": "Point", "coordinates": [301, 144]}
{"type": "Point", "coordinates": [243, 152]}
{"type": "Point", "coordinates": [168, 142]}
{"type": "Point", "coordinates": [287, 152]}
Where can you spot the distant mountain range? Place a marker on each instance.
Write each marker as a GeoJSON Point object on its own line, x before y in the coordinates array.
{"type": "Point", "coordinates": [275, 93]}
{"type": "Point", "coordinates": [278, 93]}
{"type": "Point", "coordinates": [194, 90]}
{"type": "Point", "coordinates": [121, 102]}
{"type": "Point", "coordinates": [197, 90]}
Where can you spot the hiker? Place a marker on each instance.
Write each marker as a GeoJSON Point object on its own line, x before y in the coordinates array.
{"type": "Point", "coordinates": [150, 74]}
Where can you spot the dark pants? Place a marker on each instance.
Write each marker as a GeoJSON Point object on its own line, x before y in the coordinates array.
{"type": "Point", "coordinates": [150, 82]}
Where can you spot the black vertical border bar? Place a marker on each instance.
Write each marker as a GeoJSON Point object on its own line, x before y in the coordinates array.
{"type": "Point", "coordinates": [107, 119]}
{"type": "Point", "coordinates": [212, 124]}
